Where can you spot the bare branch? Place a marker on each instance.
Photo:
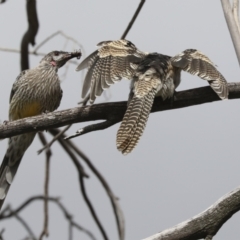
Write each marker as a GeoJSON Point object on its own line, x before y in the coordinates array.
{"type": "Point", "coordinates": [25, 225]}
{"type": "Point", "coordinates": [232, 27]}
{"type": "Point", "coordinates": [81, 183]}
{"type": "Point", "coordinates": [12, 50]}
{"type": "Point", "coordinates": [116, 208]}
{"type": "Point", "coordinates": [133, 19]}
{"type": "Point", "coordinates": [77, 164]}
{"type": "Point", "coordinates": [91, 128]}
{"type": "Point", "coordinates": [114, 200]}
{"type": "Point", "coordinates": [6, 213]}
{"type": "Point", "coordinates": [29, 36]}
{"type": "Point", "coordinates": [1, 233]}
{"type": "Point", "coordinates": [74, 224]}
{"type": "Point", "coordinates": [61, 33]}
{"type": "Point", "coordinates": [206, 224]}
{"type": "Point", "coordinates": [48, 145]}
{"type": "Point", "coordinates": [46, 187]}
{"type": "Point", "coordinates": [110, 111]}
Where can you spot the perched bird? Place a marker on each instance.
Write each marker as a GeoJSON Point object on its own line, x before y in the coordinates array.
{"type": "Point", "coordinates": [34, 92]}
{"type": "Point", "coordinates": [153, 74]}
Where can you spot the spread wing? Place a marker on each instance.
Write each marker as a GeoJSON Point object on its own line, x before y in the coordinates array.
{"type": "Point", "coordinates": [113, 61]}
{"type": "Point", "coordinates": [154, 76]}
{"type": "Point", "coordinates": [196, 63]}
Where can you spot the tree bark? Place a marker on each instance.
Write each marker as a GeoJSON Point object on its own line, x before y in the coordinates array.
{"type": "Point", "coordinates": [112, 112]}
{"type": "Point", "coordinates": [206, 224]}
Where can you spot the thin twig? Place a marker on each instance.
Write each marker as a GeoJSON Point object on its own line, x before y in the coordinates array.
{"type": "Point", "coordinates": [1, 233]}
{"type": "Point", "coordinates": [44, 42]}
{"type": "Point", "coordinates": [6, 213]}
{"type": "Point", "coordinates": [26, 226]}
{"type": "Point", "coordinates": [74, 224]}
{"type": "Point", "coordinates": [45, 231]}
{"type": "Point", "coordinates": [81, 182]}
{"type": "Point", "coordinates": [72, 156]}
{"type": "Point", "coordinates": [70, 231]}
{"type": "Point", "coordinates": [133, 19]}
{"type": "Point", "coordinates": [48, 145]}
{"type": "Point", "coordinates": [61, 33]}
{"type": "Point", "coordinates": [41, 54]}
{"type": "Point", "coordinates": [90, 128]}
{"type": "Point", "coordinates": [114, 200]}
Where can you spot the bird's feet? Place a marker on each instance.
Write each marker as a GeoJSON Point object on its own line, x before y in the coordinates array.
{"type": "Point", "coordinates": [5, 122]}
{"type": "Point", "coordinates": [85, 100]}
{"type": "Point", "coordinates": [173, 98]}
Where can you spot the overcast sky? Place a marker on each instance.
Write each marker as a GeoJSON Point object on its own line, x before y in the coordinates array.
{"type": "Point", "coordinates": [187, 158]}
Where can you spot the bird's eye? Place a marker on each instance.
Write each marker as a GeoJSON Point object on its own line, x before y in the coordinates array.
{"type": "Point", "coordinates": [56, 53]}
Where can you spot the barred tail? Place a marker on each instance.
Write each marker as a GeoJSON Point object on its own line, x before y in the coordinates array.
{"type": "Point", "coordinates": [6, 177]}
{"type": "Point", "coordinates": [16, 148]}
{"type": "Point", "coordinates": [134, 121]}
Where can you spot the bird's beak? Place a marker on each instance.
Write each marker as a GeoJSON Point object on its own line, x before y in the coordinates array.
{"type": "Point", "coordinates": [71, 55]}
{"type": "Point", "coordinates": [67, 56]}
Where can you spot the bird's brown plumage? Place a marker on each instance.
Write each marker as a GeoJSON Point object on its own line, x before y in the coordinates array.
{"type": "Point", "coordinates": [153, 75]}
{"type": "Point", "coordinates": [34, 92]}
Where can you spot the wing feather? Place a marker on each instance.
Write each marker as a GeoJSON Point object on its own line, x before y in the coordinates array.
{"type": "Point", "coordinates": [87, 61]}
{"type": "Point", "coordinates": [88, 78]}
{"type": "Point", "coordinates": [113, 61]}
{"type": "Point", "coordinates": [196, 63]}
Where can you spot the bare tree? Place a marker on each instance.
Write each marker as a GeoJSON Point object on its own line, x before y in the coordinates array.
{"type": "Point", "coordinates": [204, 225]}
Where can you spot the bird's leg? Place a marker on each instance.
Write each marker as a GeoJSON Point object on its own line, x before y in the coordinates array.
{"type": "Point", "coordinates": [173, 98]}
{"type": "Point", "coordinates": [85, 100]}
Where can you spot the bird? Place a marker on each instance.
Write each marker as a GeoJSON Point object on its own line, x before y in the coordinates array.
{"type": "Point", "coordinates": [35, 91]}
{"type": "Point", "coordinates": [152, 75]}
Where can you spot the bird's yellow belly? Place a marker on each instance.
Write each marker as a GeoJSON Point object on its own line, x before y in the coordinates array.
{"type": "Point", "coordinates": [27, 110]}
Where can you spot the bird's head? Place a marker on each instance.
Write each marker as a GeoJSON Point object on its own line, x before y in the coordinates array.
{"type": "Point", "coordinates": [59, 58]}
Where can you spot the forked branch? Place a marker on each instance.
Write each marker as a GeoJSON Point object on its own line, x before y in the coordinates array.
{"type": "Point", "coordinates": [206, 224]}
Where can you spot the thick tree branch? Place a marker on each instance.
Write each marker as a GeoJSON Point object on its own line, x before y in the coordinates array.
{"type": "Point", "coordinates": [206, 224]}
{"type": "Point", "coordinates": [112, 111]}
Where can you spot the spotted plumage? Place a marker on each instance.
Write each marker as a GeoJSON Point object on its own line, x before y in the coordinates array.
{"type": "Point", "coordinates": [113, 61]}
{"type": "Point", "coordinates": [153, 75]}
{"type": "Point", "coordinates": [34, 92]}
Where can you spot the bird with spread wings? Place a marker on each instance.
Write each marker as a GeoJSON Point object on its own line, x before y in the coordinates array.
{"type": "Point", "coordinates": [152, 75]}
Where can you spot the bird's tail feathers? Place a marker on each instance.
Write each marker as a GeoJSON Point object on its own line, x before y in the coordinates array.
{"type": "Point", "coordinates": [134, 121]}
{"type": "Point", "coordinates": [7, 174]}
{"type": "Point", "coordinates": [16, 148]}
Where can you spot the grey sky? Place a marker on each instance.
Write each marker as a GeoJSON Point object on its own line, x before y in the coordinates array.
{"type": "Point", "coordinates": [186, 159]}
